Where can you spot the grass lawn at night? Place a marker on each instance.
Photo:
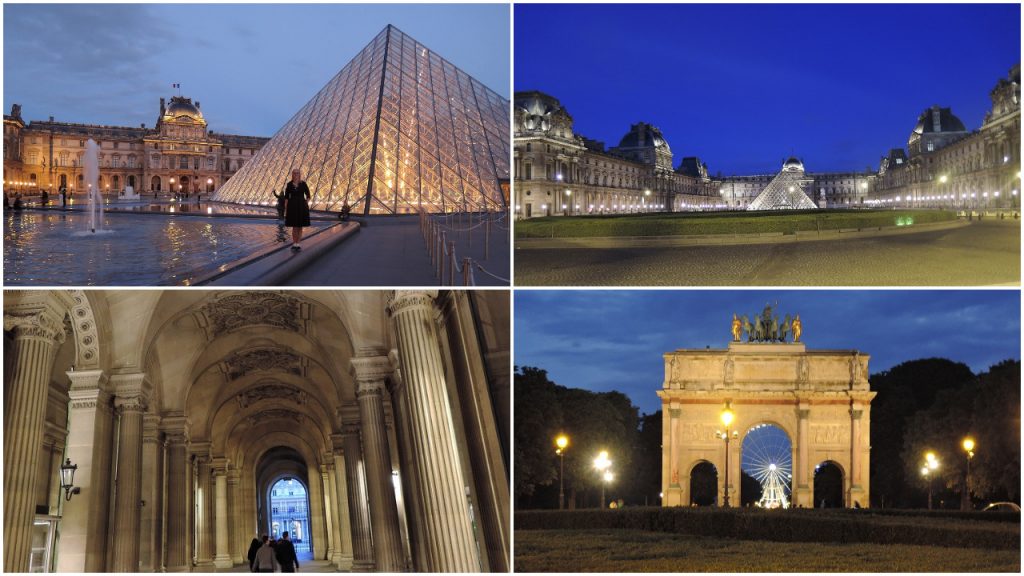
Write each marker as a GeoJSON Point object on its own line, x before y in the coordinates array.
{"type": "Point", "coordinates": [640, 551]}
{"type": "Point", "coordinates": [699, 223]}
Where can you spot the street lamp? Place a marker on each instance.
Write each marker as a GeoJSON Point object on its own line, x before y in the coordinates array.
{"type": "Point", "coordinates": [647, 194]}
{"type": "Point", "coordinates": [930, 463]}
{"type": "Point", "coordinates": [568, 193]}
{"type": "Point", "coordinates": [965, 499]}
{"type": "Point", "coordinates": [562, 441]}
{"type": "Point", "coordinates": [67, 479]}
{"type": "Point", "coordinates": [602, 464]}
{"type": "Point", "coordinates": [727, 417]}
{"type": "Point", "coordinates": [607, 477]}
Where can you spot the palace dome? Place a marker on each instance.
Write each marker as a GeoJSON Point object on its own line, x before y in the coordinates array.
{"type": "Point", "coordinates": [181, 106]}
{"type": "Point", "coordinates": [936, 119]}
{"type": "Point", "coordinates": [793, 164]}
{"type": "Point", "coordinates": [643, 135]}
{"type": "Point", "coordinates": [537, 109]}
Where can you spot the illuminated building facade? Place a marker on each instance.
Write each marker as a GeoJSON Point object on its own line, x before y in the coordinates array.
{"type": "Point", "coordinates": [945, 165]}
{"type": "Point", "coordinates": [180, 154]}
{"type": "Point", "coordinates": [559, 172]}
{"type": "Point", "coordinates": [397, 129]}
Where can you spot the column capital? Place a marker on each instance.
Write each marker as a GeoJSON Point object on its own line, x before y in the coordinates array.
{"type": "Point", "coordinates": [85, 380]}
{"type": "Point", "coordinates": [177, 429]}
{"type": "Point", "coordinates": [337, 444]}
{"type": "Point", "coordinates": [136, 403]}
{"type": "Point", "coordinates": [128, 385]}
{"type": "Point", "coordinates": [219, 464]}
{"type": "Point", "coordinates": [370, 388]}
{"type": "Point", "coordinates": [36, 313]}
{"type": "Point", "coordinates": [201, 451]}
{"type": "Point", "coordinates": [401, 300]}
{"type": "Point", "coordinates": [371, 368]}
{"type": "Point", "coordinates": [350, 421]}
{"type": "Point", "coordinates": [151, 428]}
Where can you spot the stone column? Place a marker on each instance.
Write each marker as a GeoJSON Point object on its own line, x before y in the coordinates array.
{"type": "Point", "coordinates": [179, 485]}
{"type": "Point", "coordinates": [223, 558]}
{"type": "Point", "coordinates": [236, 533]}
{"type": "Point", "coordinates": [204, 508]}
{"type": "Point", "coordinates": [333, 511]}
{"type": "Point", "coordinates": [448, 534]}
{"type": "Point", "coordinates": [37, 334]}
{"type": "Point", "coordinates": [325, 480]}
{"type": "Point", "coordinates": [131, 405]}
{"type": "Point", "coordinates": [85, 525]}
{"type": "Point", "coordinates": [151, 552]}
{"type": "Point", "coordinates": [804, 491]}
{"type": "Point", "coordinates": [675, 494]}
{"type": "Point", "coordinates": [362, 543]}
{"type": "Point", "coordinates": [855, 481]}
{"type": "Point", "coordinates": [410, 481]}
{"type": "Point", "coordinates": [387, 539]}
{"type": "Point", "coordinates": [486, 465]}
{"type": "Point", "coordinates": [345, 532]}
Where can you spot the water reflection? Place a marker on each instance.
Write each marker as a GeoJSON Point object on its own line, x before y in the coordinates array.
{"type": "Point", "coordinates": [55, 248]}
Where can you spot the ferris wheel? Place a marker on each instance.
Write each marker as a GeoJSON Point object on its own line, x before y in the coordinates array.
{"type": "Point", "coordinates": [767, 456]}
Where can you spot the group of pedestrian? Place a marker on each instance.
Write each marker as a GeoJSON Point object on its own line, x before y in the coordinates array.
{"type": "Point", "coordinates": [267, 555]}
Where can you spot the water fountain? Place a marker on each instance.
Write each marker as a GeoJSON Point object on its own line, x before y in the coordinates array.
{"type": "Point", "coordinates": [91, 165]}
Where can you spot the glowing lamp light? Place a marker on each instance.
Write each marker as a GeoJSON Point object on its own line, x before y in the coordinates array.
{"type": "Point", "coordinates": [943, 178]}
{"type": "Point", "coordinates": [608, 476]}
{"type": "Point", "coordinates": [562, 441]}
{"type": "Point", "coordinates": [727, 417]}
{"type": "Point", "coordinates": [969, 444]}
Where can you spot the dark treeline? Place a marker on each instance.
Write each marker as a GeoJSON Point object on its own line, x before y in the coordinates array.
{"type": "Point", "coordinates": [921, 405]}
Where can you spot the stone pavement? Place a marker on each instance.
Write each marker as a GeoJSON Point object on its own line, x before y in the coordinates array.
{"type": "Point", "coordinates": [390, 251]}
{"type": "Point", "coordinates": [983, 253]}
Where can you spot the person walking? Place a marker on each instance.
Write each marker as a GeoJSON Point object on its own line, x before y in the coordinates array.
{"type": "Point", "coordinates": [63, 197]}
{"type": "Point", "coordinates": [265, 561]}
{"type": "Point", "coordinates": [286, 554]}
{"type": "Point", "coordinates": [280, 203]}
{"type": "Point", "coordinates": [296, 207]}
{"type": "Point", "coordinates": [254, 547]}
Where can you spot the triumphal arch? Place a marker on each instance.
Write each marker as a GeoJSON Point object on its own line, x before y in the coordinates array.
{"type": "Point", "coordinates": [821, 399]}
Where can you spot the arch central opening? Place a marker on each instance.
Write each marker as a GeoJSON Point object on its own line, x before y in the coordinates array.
{"type": "Point", "coordinates": [282, 481]}
{"type": "Point", "coordinates": [767, 457]}
{"type": "Point", "coordinates": [289, 512]}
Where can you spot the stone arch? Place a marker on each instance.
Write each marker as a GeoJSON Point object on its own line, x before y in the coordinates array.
{"type": "Point", "coordinates": [820, 399]}
{"type": "Point", "coordinates": [700, 472]}
{"type": "Point", "coordinates": [834, 489]}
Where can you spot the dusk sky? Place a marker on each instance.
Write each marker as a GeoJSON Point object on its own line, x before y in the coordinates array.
{"type": "Point", "coordinates": [251, 66]}
{"type": "Point", "coordinates": [744, 86]}
{"type": "Point", "coordinates": [605, 340]}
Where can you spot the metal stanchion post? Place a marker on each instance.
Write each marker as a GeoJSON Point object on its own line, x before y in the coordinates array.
{"type": "Point", "coordinates": [451, 263]}
{"type": "Point", "coordinates": [467, 271]}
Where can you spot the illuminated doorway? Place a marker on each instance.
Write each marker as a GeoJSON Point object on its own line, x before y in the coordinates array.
{"type": "Point", "coordinates": [289, 512]}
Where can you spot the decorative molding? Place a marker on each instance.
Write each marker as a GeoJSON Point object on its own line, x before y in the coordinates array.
{"type": "Point", "coordinates": [36, 323]}
{"type": "Point", "coordinates": [135, 403]}
{"type": "Point", "coordinates": [236, 310]}
{"type": "Point", "coordinates": [271, 390]}
{"type": "Point", "coordinates": [275, 414]}
{"type": "Point", "coordinates": [86, 335]}
{"type": "Point", "coordinates": [402, 300]}
{"type": "Point", "coordinates": [261, 359]}
{"type": "Point", "coordinates": [372, 368]}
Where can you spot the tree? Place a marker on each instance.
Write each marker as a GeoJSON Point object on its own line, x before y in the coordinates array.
{"type": "Point", "coordinates": [538, 418]}
{"type": "Point", "coordinates": [902, 391]}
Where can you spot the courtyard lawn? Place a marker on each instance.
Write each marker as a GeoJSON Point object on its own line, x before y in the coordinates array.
{"type": "Point", "coordinates": [640, 551]}
{"type": "Point", "coordinates": [703, 223]}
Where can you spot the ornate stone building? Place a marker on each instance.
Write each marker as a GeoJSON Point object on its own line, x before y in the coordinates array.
{"type": "Point", "coordinates": [558, 172]}
{"type": "Point", "coordinates": [179, 154]}
{"type": "Point", "coordinates": [181, 410]}
{"type": "Point", "coordinates": [945, 165]}
{"type": "Point", "coordinates": [820, 399]}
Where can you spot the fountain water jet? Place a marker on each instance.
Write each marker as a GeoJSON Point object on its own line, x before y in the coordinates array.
{"type": "Point", "coordinates": [91, 166]}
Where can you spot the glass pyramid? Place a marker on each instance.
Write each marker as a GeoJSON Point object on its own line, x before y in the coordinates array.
{"type": "Point", "coordinates": [397, 128]}
{"type": "Point", "coordinates": [785, 192]}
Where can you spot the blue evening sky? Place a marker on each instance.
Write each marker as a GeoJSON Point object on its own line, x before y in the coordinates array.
{"type": "Point", "coordinates": [252, 66]}
{"type": "Point", "coordinates": [743, 86]}
{"type": "Point", "coordinates": [606, 340]}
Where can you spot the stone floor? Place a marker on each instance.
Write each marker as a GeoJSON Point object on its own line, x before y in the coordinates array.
{"type": "Point", "coordinates": [984, 253]}
{"type": "Point", "coordinates": [305, 565]}
{"type": "Point", "coordinates": [390, 251]}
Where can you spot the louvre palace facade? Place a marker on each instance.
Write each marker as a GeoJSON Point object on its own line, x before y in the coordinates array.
{"type": "Point", "coordinates": [559, 172]}
{"type": "Point", "coordinates": [179, 154]}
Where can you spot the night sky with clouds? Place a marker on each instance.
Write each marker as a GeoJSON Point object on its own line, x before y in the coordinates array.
{"type": "Point", "coordinates": [604, 340]}
{"type": "Point", "coordinates": [742, 86]}
{"type": "Point", "coordinates": [251, 66]}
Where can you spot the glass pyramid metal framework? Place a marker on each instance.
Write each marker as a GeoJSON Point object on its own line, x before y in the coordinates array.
{"type": "Point", "coordinates": [397, 128]}
{"type": "Point", "coordinates": [785, 192]}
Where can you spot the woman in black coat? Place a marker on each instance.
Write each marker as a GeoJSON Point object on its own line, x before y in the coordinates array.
{"type": "Point", "coordinates": [296, 207]}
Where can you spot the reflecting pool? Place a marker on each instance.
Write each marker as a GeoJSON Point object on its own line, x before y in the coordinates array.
{"type": "Point", "coordinates": [43, 248]}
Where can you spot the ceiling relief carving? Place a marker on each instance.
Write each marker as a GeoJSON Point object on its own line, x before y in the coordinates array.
{"type": "Point", "coordinates": [270, 391]}
{"type": "Point", "coordinates": [262, 360]}
{"type": "Point", "coordinates": [275, 414]}
{"type": "Point", "coordinates": [234, 311]}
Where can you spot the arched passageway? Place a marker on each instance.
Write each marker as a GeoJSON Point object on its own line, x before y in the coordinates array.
{"type": "Point", "coordinates": [767, 456]}
{"type": "Point", "coordinates": [828, 485]}
{"type": "Point", "coordinates": [704, 484]}
{"type": "Point", "coordinates": [195, 404]}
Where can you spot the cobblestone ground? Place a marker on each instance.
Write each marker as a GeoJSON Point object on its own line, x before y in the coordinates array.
{"type": "Point", "coordinates": [984, 253]}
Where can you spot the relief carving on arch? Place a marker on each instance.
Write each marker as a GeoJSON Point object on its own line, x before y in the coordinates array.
{"type": "Point", "coordinates": [86, 336]}
{"type": "Point", "coordinates": [261, 359]}
{"type": "Point", "coordinates": [234, 311]}
{"type": "Point", "coordinates": [275, 414]}
{"type": "Point", "coordinates": [271, 390]}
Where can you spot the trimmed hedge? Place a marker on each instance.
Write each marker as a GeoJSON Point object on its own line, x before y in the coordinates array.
{"type": "Point", "coordinates": [783, 526]}
{"type": "Point", "coordinates": [702, 223]}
